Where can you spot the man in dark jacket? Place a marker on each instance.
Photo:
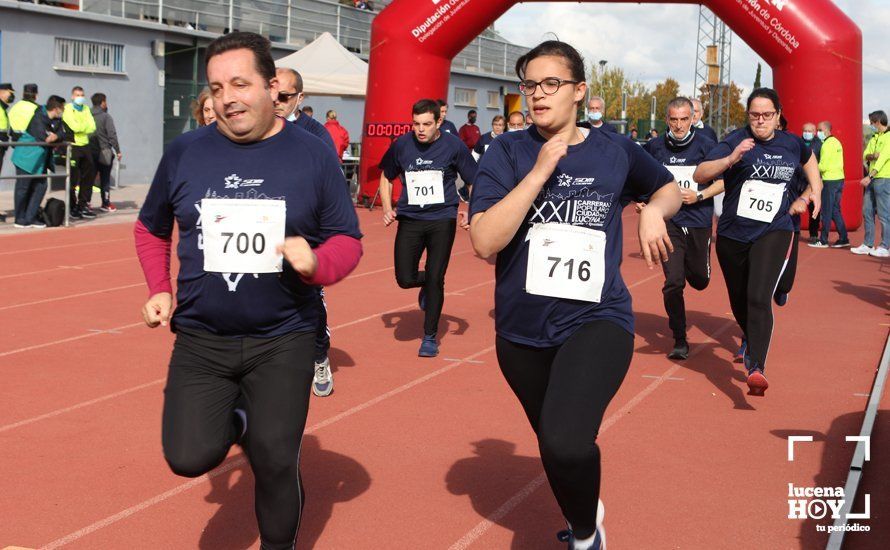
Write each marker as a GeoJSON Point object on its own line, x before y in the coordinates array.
{"type": "Point", "coordinates": [34, 161]}
{"type": "Point", "coordinates": [104, 147]}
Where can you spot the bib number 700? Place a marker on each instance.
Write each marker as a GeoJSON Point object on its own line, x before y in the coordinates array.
{"type": "Point", "coordinates": [583, 272]}
{"type": "Point", "coordinates": [244, 243]}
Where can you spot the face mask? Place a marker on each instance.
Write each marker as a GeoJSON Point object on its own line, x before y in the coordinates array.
{"type": "Point", "coordinates": [809, 136]}
{"type": "Point", "coordinates": [595, 117]}
{"type": "Point", "coordinates": [873, 127]}
{"type": "Point", "coordinates": [11, 99]}
{"type": "Point", "coordinates": [79, 101]}
{"type": "Point", "coordinates": [699, 124]}
{"type": "Point", "coordinates": [821, 135]}
{"type": "Point", "coordinates": [515, 129]}
{"type": "Point", "coordinates": [291, 117]}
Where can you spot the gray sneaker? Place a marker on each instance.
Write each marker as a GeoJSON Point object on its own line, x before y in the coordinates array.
{"type": "Point", "coordinates": [323, 383]}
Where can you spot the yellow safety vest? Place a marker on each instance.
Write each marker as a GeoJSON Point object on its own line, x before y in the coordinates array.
{"type": "Point", "coordinates": [20, 116]}
{"type": "Point", "coordinates": [4, 120]}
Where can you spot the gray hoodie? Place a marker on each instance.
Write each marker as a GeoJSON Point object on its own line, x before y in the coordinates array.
{"type": "Point", "coordinates": [106, 135]}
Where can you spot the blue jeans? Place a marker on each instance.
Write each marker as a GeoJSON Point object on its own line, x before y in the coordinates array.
{"type": "Point", "coordinates": [876, 202]}
{"type": "Point", "coordinates": [28, 196]}
{"type": "Point", "coordinates": [831, 210]}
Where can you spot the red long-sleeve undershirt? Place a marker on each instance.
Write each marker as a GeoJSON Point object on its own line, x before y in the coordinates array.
{"type": "Point", "coordinates": [337, 257]}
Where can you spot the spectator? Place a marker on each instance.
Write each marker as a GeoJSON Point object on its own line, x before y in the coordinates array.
{"type": "Point", "coordinates": [699, 124]}
{"type": "Point", "coordinates": [877, 188]}
{"type": "Point", "coordinates": [596, 111]}
{"type": "Point", "coordinates": [7, 96]}
{"type": "Point", "coordinates": [653, 133]}
{"type": "Point", "coordinates": [469, 133]}
{"type": "Point", "coordinates": [815, 145]}
{"type": "Point", "coordinates": [516, 122]}
{"type": "Point", "coordinates": [363, 5]}
{"type": "Point", "coordinates": [528, 119]}
{"type": "Point", "coordinates": [446, 125]}
{"type": "Point", "coordinates": [498, 124]}
{"type": "Point", "coordinates": [105, 148]}
{"type": "Point", "coordinates": [338, 133]}
{"type": "Point", "coordinates": [79, 122]}
{"type": "Point", "coordinates": [202, 108]}
{"type": "Point", "coordinates": [307, 110]}
{"type": "Point", "coordinates": [831, 168]}
{"type": "Point", "coordinates": [32, 122]}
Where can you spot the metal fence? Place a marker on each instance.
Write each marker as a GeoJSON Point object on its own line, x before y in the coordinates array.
{"type": "Point", "coordinates": [295, 22]}
{"type": "Point", "coordinates": [49, 177]}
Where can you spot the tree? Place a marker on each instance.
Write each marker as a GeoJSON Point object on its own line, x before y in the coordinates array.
{"type": "Point", "coordinates": [737, 115]}
{"type": "Point", "coordinates": [664, 93]}
{"type": "Point", "coordinates": [757, 76]}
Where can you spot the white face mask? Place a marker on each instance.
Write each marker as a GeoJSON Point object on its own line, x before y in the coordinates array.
{"type": "Point", "coordinates": [699, 124]}
{"type": "Point", "coordinates": [821, 135]}
{"type": "Point", "coordinates": [807, 136]}
{"type": "Point", "coordinates": [686, 135]}
{"type": "Point", "coordinates": [595, 117]}
{"type": "Point", "coordinates": [515, 129]}
{"type": "Point", "coordinates": [291, 117]}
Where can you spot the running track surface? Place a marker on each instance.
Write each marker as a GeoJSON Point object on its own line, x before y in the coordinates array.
{"type": "Point", "coordinates": [430, 453]}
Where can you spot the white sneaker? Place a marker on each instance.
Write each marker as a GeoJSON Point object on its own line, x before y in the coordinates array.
{"type": "Point", "coordinates": [880, 252]}
{"type": "Point", "coordinates": [323, 383]}
{"type": "Point", "coordinates": [862, 249]}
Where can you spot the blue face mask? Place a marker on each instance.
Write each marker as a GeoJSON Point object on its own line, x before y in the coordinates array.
{"type": "Point", "coordinates": [873, 127]}
{"type": "Point", "coordinates": [595, 117]}
{"type": "Point", "coordinates": [79, 101]}
{"type": "Point", "coordinates": [808, 136]}
{"type": "Point", "coordinates": [821, 135]}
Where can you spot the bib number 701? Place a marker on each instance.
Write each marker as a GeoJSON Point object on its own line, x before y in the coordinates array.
{"type": "Point", "coordinates": [583, 272]}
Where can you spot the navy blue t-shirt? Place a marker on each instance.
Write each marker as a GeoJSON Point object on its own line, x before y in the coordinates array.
{"type": "Point", "coordinates": [448, 127]}
{"type": "Point", "coordinates": [699, 214]}
{"type": "Point", "coordinates": [589, 188]}
{"type": "Point", "coordinates": [317, 129]}
{"type": "Point", "coordinates": [293, 166]}
{"type": "Point", "coordinates": [775, 162]}
{"type": "Point", "coordinates": [483, 143]}
{"type": "Point", "coordinates": [447, 154]}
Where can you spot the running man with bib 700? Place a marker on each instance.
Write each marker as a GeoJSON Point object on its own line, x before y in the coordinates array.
{"type": "Point", "coordinates": [427, 162]}
{"type": "Point", "coordinates": [264, 218]}
{"type": "Point", "coordinates": [754, 233]}
{"type": "Point", "coordinates": [548, 202]}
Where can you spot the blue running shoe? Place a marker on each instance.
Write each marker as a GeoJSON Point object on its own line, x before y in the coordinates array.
{"type": "Point", "coordinates": [428, 346]}
{"type": "Point", "coordinates": [743, 351]}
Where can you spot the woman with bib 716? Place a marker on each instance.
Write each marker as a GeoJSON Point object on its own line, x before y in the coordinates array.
{"type": "Point", "coordinates": [548, 201]}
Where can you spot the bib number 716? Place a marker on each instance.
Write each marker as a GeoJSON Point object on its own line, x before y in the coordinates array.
{"type": "Point", "coordinates": [566, 261]}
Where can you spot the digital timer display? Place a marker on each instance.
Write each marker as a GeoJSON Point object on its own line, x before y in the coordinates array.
{"type": "Point", "coordinates": [387, 129]}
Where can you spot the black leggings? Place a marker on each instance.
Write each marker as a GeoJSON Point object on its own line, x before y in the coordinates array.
{"type": "Point", "coordinates": [437, 237]}
{"type": "Point", "coordinates": [207, 375]}
{"type": "Point", "coordinates": [83, 174]}
{"type": "Point", "coordinates": [752, 272]}
{"type": "Point", "coordinates": [690, 261]}
{"type": "Point", "coordinates": [565, 391]}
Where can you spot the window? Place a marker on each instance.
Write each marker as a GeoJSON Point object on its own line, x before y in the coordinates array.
{"type": "Point", "coordinates": [87, 56]}
{"type": "Point", "coordinates": [494, 100]}
{"type": "Point", "coordinates": [465, 97]}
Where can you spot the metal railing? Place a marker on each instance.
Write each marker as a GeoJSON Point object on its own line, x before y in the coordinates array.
{"type": "Point", "coordinates": [295, 22]}
{"type": "Point", "coordinates": [49, 177]}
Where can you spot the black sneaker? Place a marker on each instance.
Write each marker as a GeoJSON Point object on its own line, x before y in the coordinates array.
{"type": "Point", "coordinates": [76, 214]}
{"type": "Point", "coordinates": [840, 244]}
{"type": "Point", "coordinates": [680, 351]}
{"type": "Point", "coordinates": [813, 239]}
{"type": "Point", "coordinates": [87, 213]}
{"type": "Point", "coordinates": [818, 244]}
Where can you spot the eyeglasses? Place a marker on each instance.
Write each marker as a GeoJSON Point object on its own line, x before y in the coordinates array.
{"type": "Point", "coordinates": [765, 116]}
{"type": "Point", "coordinates": [549, 86]}
{"type": "Point", "coordinates": [285, 97]}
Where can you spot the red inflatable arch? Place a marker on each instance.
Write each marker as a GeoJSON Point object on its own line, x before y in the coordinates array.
{"type": "Point", "coordinates": [815, 52]}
